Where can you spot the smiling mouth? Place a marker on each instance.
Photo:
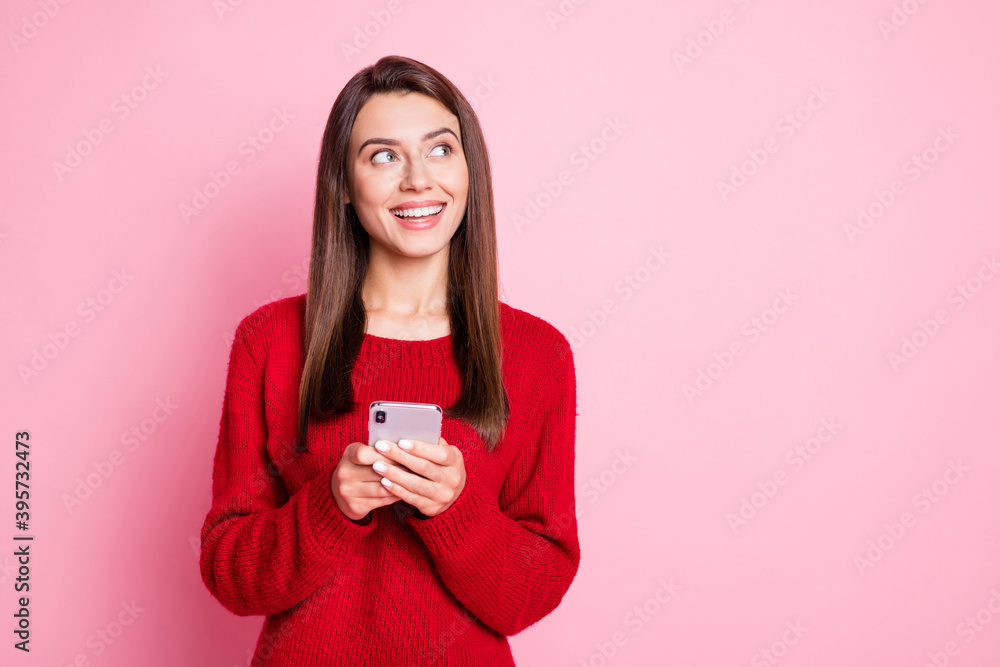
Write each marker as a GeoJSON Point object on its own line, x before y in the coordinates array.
{"type": "Point", "coordinates": [417, 214]}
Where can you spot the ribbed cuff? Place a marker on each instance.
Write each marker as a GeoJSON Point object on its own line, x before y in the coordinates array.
{"type": "Point", "coordinates": [327, 525]}
{"type": "Point", "coordinates": [473, 515]}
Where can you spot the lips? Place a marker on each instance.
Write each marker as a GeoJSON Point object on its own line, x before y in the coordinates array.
{"type": "Point", "coordinates": [420, 217]}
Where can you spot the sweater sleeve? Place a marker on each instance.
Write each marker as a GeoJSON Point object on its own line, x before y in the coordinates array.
{"type": "Point", "coordinates": [511, 559]}
{"type": "Point", "coordinates": [263, 552]}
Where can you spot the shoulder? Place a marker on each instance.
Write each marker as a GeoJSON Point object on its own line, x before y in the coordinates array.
{"type": "Point", "coordinates": [275, 321]}
{"type": "Point", "coordinates": [533, 340]}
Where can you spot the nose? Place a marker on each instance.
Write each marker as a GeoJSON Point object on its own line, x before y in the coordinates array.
{"type": "Point", "coordinates": [417, 176]}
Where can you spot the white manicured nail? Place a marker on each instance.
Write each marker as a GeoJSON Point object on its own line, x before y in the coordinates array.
{"type": "Point", "coordinates": [406, 444]}
{"type": "Point", "coordinates": [382, 446]}
{"type": "Point", "coordinates": [380, 466]}
{"type": "Point", "coordinates": [386, 482]}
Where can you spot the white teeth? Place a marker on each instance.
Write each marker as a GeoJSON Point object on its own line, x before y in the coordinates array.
{"type": "Point", "coordinates": [418, 212]}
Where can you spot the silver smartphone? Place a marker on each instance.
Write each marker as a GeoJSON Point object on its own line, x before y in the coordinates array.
{"type": "Point", "coordinates": [392, 420]}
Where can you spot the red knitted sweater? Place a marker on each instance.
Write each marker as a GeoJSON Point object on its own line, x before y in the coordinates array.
{"type": "Point", "coordinates": [395, 588]}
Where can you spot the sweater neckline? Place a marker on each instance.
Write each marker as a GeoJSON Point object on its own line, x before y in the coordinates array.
{"type": "Point", "coordinates": [401, 340]}
{"type": "Point", "coordinates": [379, 351]}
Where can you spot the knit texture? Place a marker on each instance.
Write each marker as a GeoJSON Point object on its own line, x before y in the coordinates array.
{"type": "Point", "coordinates": [396, 588]}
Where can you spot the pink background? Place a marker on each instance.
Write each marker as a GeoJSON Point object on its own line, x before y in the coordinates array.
{"type": "Point", "coordinates": [662, 473]}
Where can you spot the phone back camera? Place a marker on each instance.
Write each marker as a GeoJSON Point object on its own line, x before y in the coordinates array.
{"type": "Point", "coordinates": [380, 416]}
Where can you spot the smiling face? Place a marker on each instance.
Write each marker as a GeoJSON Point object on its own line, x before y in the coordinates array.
{"type": "Point", "coordinates": [407, 176]}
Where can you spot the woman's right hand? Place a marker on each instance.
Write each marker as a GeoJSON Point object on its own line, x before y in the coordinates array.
{"type": "Point", "coordinates": [357, 488]}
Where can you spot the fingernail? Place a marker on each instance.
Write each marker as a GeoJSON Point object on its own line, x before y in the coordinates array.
{"type": "Point", "coordinates": [406, 444]}
{"type": "Point", "coordinates": [382, 446]}
{"type": "Point", "coordinates": [386, 482]}
{"type": "Point", "coordinates": [380, 466]}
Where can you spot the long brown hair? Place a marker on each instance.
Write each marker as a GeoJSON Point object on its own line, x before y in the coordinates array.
{"type": "Point", "coordinates": [335, 317]}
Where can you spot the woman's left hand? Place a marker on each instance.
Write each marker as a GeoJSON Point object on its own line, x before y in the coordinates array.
{"type": "Point", "coordinates": [439, 478]}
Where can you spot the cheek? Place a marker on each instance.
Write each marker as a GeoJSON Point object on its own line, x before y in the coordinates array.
{"type": "Point", "coordinates": [374, 190]}
{"type": "Point", "coordinates": [457, 183]}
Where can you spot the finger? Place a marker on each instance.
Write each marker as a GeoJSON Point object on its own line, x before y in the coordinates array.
{"type": "Point", "coordinates": [373, 489]}
{"type": "Point", "coordinates": [377, 457]}
{"type": "Point", "coordinates": [402, 493]}
{"type": "Point", "coordinates": [368, 474]}
{"type": "Point", "coordinates": [359, 453]}
{"type": "Point", "coordinates": [411, 483]}
{"type": "Point", "coordinates": [421, 457]}
{"type": "Point", "coordinates": [435, 453]}
{"type": "Point", "coordinates": [391, 452]}
{"type": "Point", "coordinates": [365, 456]}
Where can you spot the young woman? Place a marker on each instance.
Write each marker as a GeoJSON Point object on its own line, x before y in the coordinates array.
{"type": "Point", "coordinates": [412, 553]}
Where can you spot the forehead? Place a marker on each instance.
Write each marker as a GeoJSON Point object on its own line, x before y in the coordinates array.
{"type": "Point", "coordinates": [403, 116]}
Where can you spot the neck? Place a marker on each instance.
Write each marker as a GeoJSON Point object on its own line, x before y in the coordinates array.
{"type": "Point", "coordinates": [400, 287]}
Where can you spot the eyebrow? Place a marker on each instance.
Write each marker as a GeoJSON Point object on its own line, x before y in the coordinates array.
{"type": "Point", "coordinates": [393, 142]}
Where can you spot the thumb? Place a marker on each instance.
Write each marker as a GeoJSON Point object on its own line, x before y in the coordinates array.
{"type": "Point", "coordinates": [357, 452]}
